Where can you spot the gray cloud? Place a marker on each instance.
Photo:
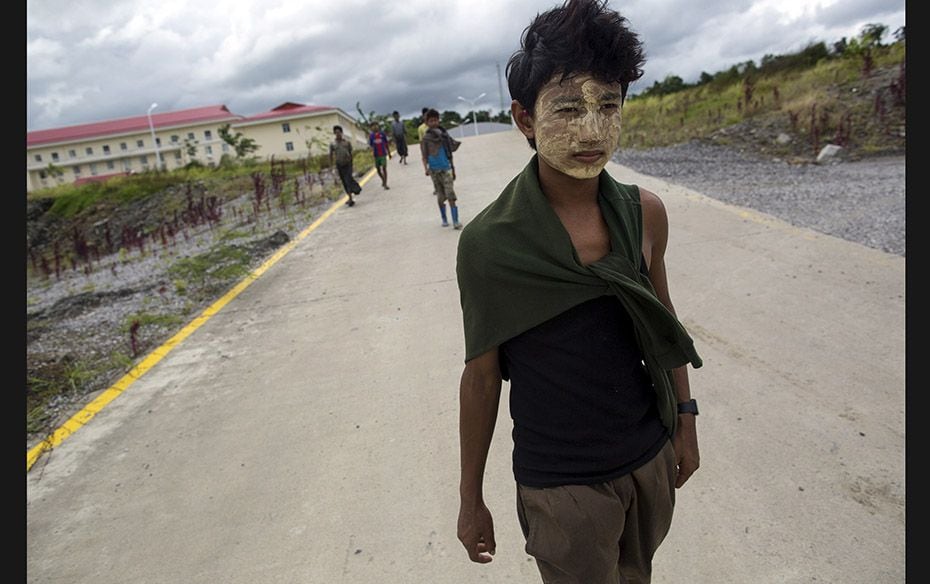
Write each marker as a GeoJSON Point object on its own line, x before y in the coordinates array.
{"type": "Point", "coordinates": [92, 60]}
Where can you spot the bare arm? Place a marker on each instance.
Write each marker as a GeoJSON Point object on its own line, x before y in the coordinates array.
{"type": "Point", "coordinates": [655, 240]}
{"type": "Point", "coordinates": [479, 397]}
{"type": "Point", "coordinates": [424, 156]}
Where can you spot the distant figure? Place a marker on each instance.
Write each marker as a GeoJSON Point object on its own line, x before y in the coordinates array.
{"type": "Point", "coordinates": [340, 155]}
{"type": "Point", "coordinates": [378, 141]}
{"type": "Point", "coordinates": [436, 148]}
{"type": "Point", "coordinates": [399, 133]}
{"type": "Point", "coordinates": [422, 128]}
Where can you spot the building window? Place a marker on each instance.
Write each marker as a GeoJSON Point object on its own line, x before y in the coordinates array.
{"type": "Point", "coordinates": [140, 144]}
{"type": "Point", "coordinates": [289, 146]}
{"type": "Point", "coordinates": [127, 164]}
{"type": "Point", "coordinates": [123, 147]}
{"type": "Point", "coordinates": [157, 141]}
{"type": "Point", "coordinates": [190, 135]}
{"type": "Point", "coordinates": [110, 164]}
{"type": "Point", "coordinates": [38, 158]}
{"type": "Point", "coordinates": [174, 138]}
{"type": "Point", "coordinates": [177, 155]}
{"type": "Point", "coordinates": [54, 157]}
{"type": "Point", "coordinates": [144, 160]}
{"type": "Point", "coordinates": [106, 149]}
{"type": "Point", "coordinates": [207, 135]}
{"type": "Point", "coordinates": [93, 169]}
{"type": "Point", "coordinates": [286, 127]}
{"type": "Point", "coordinates": [42, 174]}
{"type": "Point", "coordinates": [89, 151]}
{"type": "Point", "coordinates": [72, 154]}
{"type": "Point", "coordinates": [208, 149]}
{"type": "Point", "coordinates": [77, 170]}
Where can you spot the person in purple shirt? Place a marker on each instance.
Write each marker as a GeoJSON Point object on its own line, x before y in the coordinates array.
{"type": "Point", "coordinates": [378, 141]}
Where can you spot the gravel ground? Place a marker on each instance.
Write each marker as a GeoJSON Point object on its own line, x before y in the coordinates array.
{"type": "Point", "coordinates": [861, 201]}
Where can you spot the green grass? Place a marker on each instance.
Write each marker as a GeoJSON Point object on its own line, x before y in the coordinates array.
{"type": "Point", "coordinates": [210, 270]}
{"type": "Point", "coordinates": [781, 98]}
{"type": "Point", "coordinates": [148, 319]}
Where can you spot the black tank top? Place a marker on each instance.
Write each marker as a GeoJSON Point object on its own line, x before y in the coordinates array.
{"type": "Point", "coordinates": [583, 406]}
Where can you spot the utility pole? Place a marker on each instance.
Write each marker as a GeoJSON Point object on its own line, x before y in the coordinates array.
{"type": "Point", "coordinates": [500, 86]}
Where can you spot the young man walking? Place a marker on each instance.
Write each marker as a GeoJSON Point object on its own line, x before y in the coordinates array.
{"type": "Point", "coordinates": [564, 293]}
{"type": "Point", "coordinates": [436, 149]}
{"type": "Point", "coordinates": [340, 156]}
{"type": "Point", "coordinates": [399, 133]}
{"type": "Point", "coordinates": [378, 141]}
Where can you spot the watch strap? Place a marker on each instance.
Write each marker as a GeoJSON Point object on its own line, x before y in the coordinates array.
{"type": "Point", "coordinates": [688, 407]}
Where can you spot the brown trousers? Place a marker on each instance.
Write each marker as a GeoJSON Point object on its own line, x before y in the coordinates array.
{"type": "Point", "coordinates": [605, 533]}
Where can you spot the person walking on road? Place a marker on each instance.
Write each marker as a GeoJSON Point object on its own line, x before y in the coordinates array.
{"type": "Point", "coordinates": [421, 131]}
{"type": "Point", "coordinates": [564, 293]}
{"type": "Point", "coordinates": [381, 150]}
{"type": "Point", "coordinates": [423, 127]}
{"type": "Point", "coordinates": [399, 133]}
{"type": "Point", "coordinates": [340, 156]}
{"type": "Point", "coordinates": [436, 149]}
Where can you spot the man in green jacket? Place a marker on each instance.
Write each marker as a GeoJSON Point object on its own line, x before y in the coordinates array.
{"type": "Point", "coordinates": [564, 293]}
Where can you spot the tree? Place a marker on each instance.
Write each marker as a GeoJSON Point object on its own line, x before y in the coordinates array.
{"type": "Point", "coordinates": [503, 117]}
{"type": "Point", "coordinates": [54, 171]}
{"type": "Point", "coordinates": [450, 118]}
{"type": "Point", "coordinates": [239, 143]}
{"type": "Point", "coordinates": [871, 35]}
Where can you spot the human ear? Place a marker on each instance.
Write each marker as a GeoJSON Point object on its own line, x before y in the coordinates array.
{"type": "Point", "coordinates": [522, 119]}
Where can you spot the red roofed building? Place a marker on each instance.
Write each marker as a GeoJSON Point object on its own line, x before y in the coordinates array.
{"type": "Point", "coordinates": [99, 150]}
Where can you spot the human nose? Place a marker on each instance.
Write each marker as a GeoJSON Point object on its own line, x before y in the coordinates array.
{"type": "Point", "coordinates": [592, 127]}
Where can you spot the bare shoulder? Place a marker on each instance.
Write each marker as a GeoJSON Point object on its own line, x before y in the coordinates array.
{"type": "Point", "coordinates": [655, 226]}
{"type": "Point", "coordinates": [654, 213]}
{"type": "Point", "coordinates": [649, 199]}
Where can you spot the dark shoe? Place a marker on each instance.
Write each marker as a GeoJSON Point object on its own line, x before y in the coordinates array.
{"type": "Point", "coordinates": [387, 188]}
{"type": "Point", "coordinates": [350, 203]}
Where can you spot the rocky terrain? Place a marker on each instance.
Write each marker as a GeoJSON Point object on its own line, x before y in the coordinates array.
{"type": "Point", "coordinates": [88, 323]}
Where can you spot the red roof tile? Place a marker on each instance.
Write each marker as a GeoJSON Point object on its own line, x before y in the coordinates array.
{"type": "Point", "coordinates": [288, 109]}
{"type": "Point", "coordinates": [133, 124]}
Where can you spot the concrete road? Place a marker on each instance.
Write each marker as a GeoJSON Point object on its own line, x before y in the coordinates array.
{"type": "Point", "coordinates": [307, 431]}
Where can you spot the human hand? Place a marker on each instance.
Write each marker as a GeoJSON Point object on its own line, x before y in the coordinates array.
{"type": "Point", "coordinates": [476, 532]}
{"type": "Point", "coordinates": [685, 444]}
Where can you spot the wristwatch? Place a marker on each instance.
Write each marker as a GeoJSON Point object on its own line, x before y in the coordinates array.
{"type": "Point", "coordinates": [688, 407]}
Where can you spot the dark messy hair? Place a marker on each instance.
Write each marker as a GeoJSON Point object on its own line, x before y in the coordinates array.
{"type": "Point", "coordinates": [580, 37]}
{"type": "Point", "coordinates": [431, 113]}
{"type": "Point", "coordinates": [337, 128]}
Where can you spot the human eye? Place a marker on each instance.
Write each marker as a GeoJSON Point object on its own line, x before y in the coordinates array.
{"type": "Point", "coordinates": [611, 106]}
{"type": "Point", "coordinates": [567, 109]}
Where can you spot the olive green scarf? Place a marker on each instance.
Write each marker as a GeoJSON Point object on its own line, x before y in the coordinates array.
{"type": "Point", "coordinates": [517, 268]}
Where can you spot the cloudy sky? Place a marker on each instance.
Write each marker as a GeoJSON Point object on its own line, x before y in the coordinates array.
{"type": "Point", "coordinates": [93, 60]}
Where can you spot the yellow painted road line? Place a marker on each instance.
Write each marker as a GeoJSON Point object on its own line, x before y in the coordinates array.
{"type": "Point", "coordinates": [91, 409]}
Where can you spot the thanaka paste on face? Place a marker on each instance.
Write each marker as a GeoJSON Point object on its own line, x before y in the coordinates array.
{"type": "Point", "coordinates": [577, 125]}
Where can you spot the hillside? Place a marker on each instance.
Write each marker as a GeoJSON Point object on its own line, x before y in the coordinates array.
{"type": "Point", "coordinates": [791, 113]}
